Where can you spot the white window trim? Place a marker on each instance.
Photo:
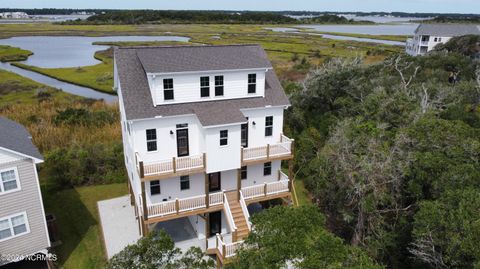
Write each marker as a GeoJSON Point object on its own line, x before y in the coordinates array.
{"type": "Point", "coordinates": [9, 218]}
{"type": "Point", "coordinates": [17, 179]}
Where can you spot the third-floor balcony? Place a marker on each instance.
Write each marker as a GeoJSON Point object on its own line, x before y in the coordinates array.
{"type": "Point", "coordinates": [282, 150]}
{"type": "Point", "coordinates": [175, 166]}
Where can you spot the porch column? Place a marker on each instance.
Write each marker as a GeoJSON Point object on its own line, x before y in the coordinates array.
{"type": "Point", "coordinates": [207, 193]}
{"type": "Point", "coordinates": [239, 182]}
{"type": "Point", "coordinates": [144, 202]}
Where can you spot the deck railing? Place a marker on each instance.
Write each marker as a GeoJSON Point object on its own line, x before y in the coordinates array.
{"type": "Point", "coordinates": [265, 189]}
{"type": "Point", "coordinates": [245, 211]}
{"type": "Point", "coordinates": [227, 250]}
{"type": "Point", "coordinates": [282, 148]}
{"type": "Point", "coordinates": [169, 166]}
{"type": "Point", "coordinates": [183, 205]}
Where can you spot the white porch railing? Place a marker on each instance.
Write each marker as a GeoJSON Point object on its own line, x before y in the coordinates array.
{"type": "Point", "coordinates": [265, 189]}
{"type": "Point", "coordinates": [227, 250]}
{"type": "Point", "coordinates": [245, 211]}
{"type": "Point", "coordinates": [216, 198]}
{"type": "Point", "coordinates": [183, 205]}
{"type": "Point", "coordinates": [169, 166]}
{"type": "Point", "coordinates": [191, 203]}
{"type": "Point", "coordinates": [282, 148]}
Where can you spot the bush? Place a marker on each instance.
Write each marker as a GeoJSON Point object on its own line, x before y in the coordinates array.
{"type": "Point", "coordinates": [82, 116]}
{"type": "Point", "coordinates": [85, 165]}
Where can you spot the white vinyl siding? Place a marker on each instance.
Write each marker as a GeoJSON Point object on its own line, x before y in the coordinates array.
{"type": "Point", "coordinates": [187, 86]}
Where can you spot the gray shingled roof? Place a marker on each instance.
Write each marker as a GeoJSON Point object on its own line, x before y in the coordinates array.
{"type": "Point", "coordinates": [202, 58]}
{"type": "Point", "coordinates": [448, 30]}
{"type": "Point", "coordinates": [14, 136]}
{"type": "Point", "coordinates": [138, 103]}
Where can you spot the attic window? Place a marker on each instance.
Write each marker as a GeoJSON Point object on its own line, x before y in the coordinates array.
{"type": "Point", "coordinates": [252, 83]}
{"type": "Point", "coordinates": [218, 85]}
{"type": "Point", "coordinates": [168, 89]}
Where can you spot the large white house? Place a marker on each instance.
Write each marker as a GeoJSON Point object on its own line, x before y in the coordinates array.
{"type": "Point", "coordinates": [202, 134]}
{"type": "Point", "coordinates": [23, 226]}
{"type": "Point", "coordinates": [427, 36]}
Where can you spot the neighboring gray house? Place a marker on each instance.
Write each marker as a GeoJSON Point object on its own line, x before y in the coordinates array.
{"type": "Point", "coordinates": [428, 35]}
{"type": "Point", "coordinates": [23, 227]}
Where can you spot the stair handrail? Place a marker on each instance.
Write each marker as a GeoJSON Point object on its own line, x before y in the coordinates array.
{"type": "Point", "coordinates": [245, 211]}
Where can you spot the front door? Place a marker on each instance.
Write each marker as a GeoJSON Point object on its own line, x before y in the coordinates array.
{"type": "Point", "coordinates": [215, 223]}
{"type": "Point", "coordinates": [214, 182]}
{"type": "Point", "coordinates": [244, 135]}
{"type": "Point", "coordinates": [182, 142]}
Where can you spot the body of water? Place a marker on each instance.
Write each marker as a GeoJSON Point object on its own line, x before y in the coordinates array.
{"type": "Point", "coordinates": [64, 86]}
{"type": "Point", "coordinates": [340, 37]}
{"type": "Point", "coordinates": [68, 51]}
{"type": "Point", "coordinates": [71, 51]}
{"type": "Point", "coordinates": [379, 29]}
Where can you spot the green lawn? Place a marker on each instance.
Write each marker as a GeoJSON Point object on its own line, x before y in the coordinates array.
{"type": "Point", "coordinates": [302, 193]}
{"type": "Point", "coordinates": [78, 224]}
{"type": "Point", "coordinates": [10, 54]}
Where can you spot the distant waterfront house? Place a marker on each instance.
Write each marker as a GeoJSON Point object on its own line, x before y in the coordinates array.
{"type": "Point", "coordinates": [202, 134]}
{"type": "Point", "coordinates": [427, 36]}
{"type": "Point", "coordinates": [23, 227]}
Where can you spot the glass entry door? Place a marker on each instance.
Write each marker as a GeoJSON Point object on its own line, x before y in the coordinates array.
{"type": "Point", "coordinates": [182, 142]}
{"type": "Point", "coordinates": [214, 182]}
{"type": "Point", "coordinates": [215, 223]}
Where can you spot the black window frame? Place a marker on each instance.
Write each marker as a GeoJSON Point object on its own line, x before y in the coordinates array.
{"type": "Point", "coordinates": [243, 172]}
{"type": "Point", "coordinates": [252, 83]}
{"type": "Point", "coordinates": [151, 140]}
{"type": "Point", "coordinates": [268, 125]}
{"type": "Point", "coordinates": [223, 137]}
{"type": "Point", "coordinates": [204, 86]}
{"type": "Point", "coordinates": [168, 89]}
{"type": "Point", "coordinates": [155, 187]}
{"type": "Point", "coordinates": [184, 183]}
{"type": "Point", "coordinates": [219, 85]}
{"type": "Point", "coordinates": [267, 169]}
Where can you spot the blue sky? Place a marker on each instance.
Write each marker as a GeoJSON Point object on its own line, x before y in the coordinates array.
{"type": "Point", "coordinates": [445, 6]}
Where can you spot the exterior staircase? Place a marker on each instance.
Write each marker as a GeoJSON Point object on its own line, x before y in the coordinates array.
{"type": "Point", "coordinates": [238, 216]}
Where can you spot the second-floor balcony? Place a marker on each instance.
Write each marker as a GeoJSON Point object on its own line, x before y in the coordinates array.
{"type": "Point", "coordinates": [171, 167]}
{"type": "Point", "coordinates": [278, 151]}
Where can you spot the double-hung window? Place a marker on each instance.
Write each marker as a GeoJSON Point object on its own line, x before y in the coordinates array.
{"type": "Point", "coordinates": [9, 180]}
{"type": "Point", "coordinates": [223, 137]}
{"type": "Point", "coordinates": [218, 85]}
{"type": "Point", "coordinates": [154, 187]}
{"type": "Point", "coordinates": [151, 139]}
{"type": "Point", "coordinates": [184, 183]}
{"type": "Point", "coordinates": [168, 89]}
{"type": "Point", "coordinates": [204, 86]}
{"type": "Point", "coordinates": [252, 83]}
{"type": "Point", "coordinates": [267, 169]}
{"type": "Point", "coordinates": [13, 226]}
{"type": "Point", "coordinates": [269, 126]}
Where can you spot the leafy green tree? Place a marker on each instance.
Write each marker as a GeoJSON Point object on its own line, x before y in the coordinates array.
{"type": "Point", "coordinates": [447, 231]}
{"type": "Point", "coordinates": [288, 236]}
{"type": "Point", "coordinates": [155, 251]}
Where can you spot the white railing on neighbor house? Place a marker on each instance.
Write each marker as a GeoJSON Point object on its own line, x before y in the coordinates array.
{"type": "Point", "coordinates": [169, 166]}
{"type": "Point", "coordinates": [183, 205]}
{"type": "Point", "coordinates": [245, 211]}
{"type": "Point", "coordinates": [282, 148]}
{"type": "Point", "coordinates": [265, 189]}
{"type": "Point", "coordinates": [227, 250]}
